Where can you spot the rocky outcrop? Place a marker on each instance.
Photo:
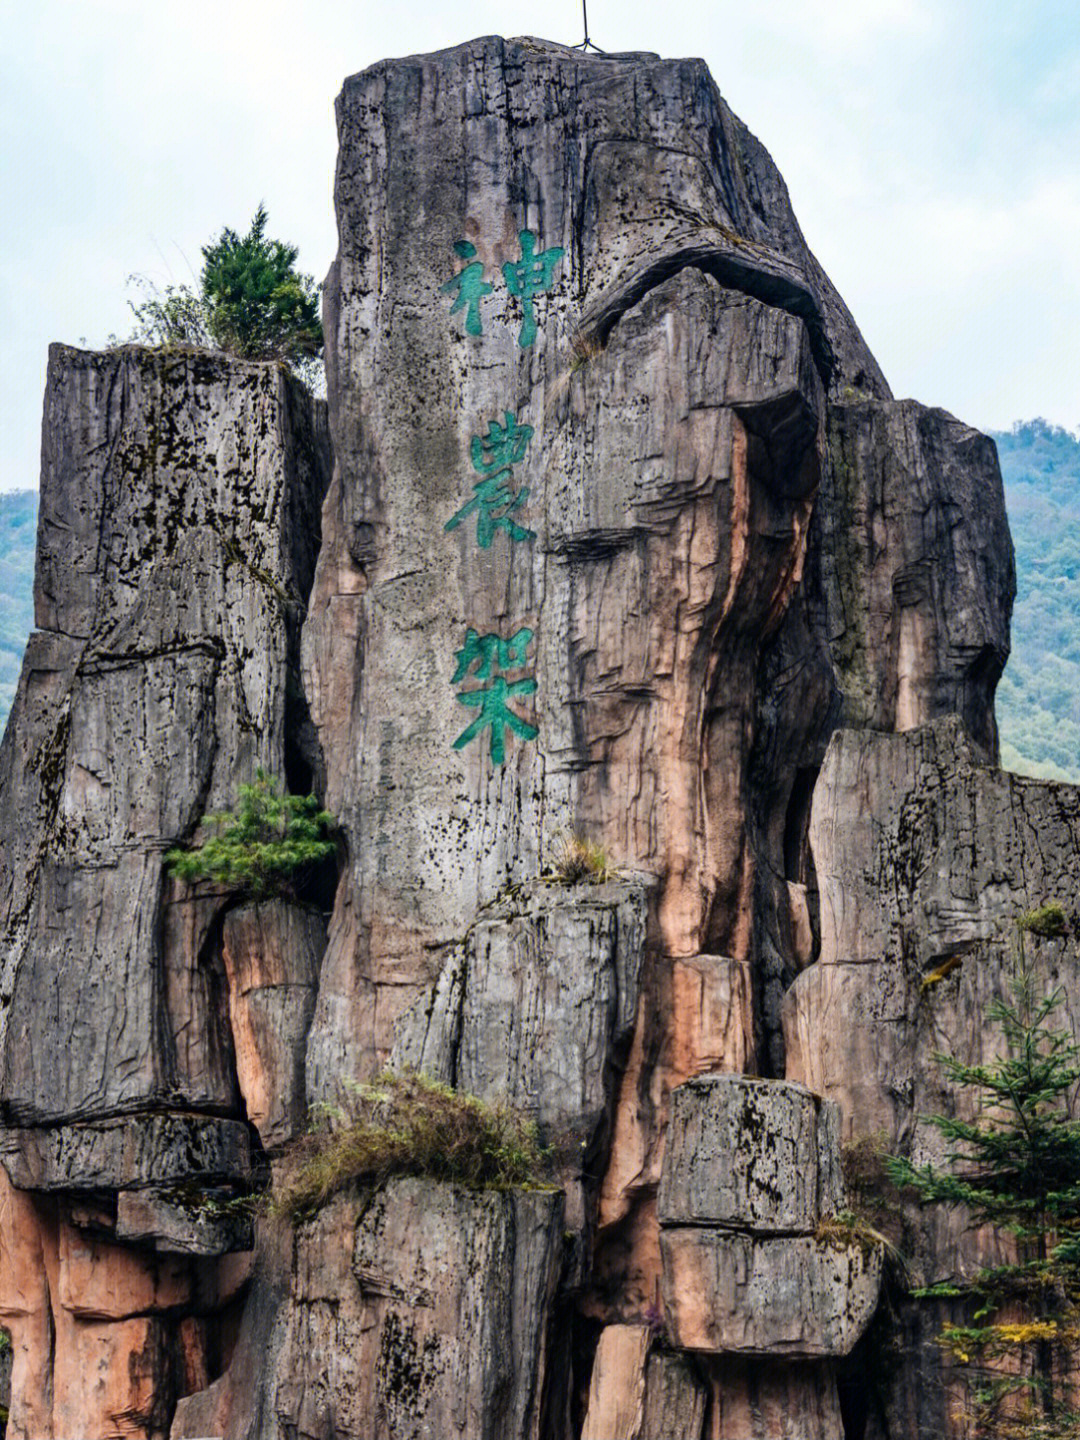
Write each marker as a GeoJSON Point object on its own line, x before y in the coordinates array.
{"type": "Point", "coordinates": [125, 1154]}
{"type": "Point", "coordinates": [539, 1004]}
{"type": "Point", "coordinates": [926, 857]}
{"type": "Point", "coordinates": [178, 530]}
{"type": "Point", "coordinates": [765, 1400]}
{"type": "Point", "coordinates": [536, 1009]}
{"type": "Point", "coordinates": [102, 1336]}
{"type": "Point", "coordinates": [752, 1169]}
{"type": "Point", "coordinates": [423, 1310]}
{"type": "Point", "coordinates": [902, 619]}
{"type": "Point", "coordinates": [750, 1155]}
{"type": "Point", "coordinates": [916, 567]}
{"type": "Point", "coordinates": [627, 552]}
{"type": "Point", "coordinates": [646, 596]}
{"type": "Point", "coordinates": [742, 1294]}
{"type": "Point", "coordinates": [178, 514]}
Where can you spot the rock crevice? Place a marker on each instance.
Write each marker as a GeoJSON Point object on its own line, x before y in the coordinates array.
{"type": "Point", "coordinates": [624, 551]}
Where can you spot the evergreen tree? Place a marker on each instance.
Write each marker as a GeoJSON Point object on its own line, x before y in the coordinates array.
{"type": "Point", "coordinates": [264, 847]}
{"type": "Point", "coordinates": [258, 305]}
{"type": "Point", "coordinates": [1017, 1166]}
{"type": "Point", "coordinates": [253, 303]}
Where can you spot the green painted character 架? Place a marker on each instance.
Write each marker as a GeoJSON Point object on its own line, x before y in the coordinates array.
{"type": "Point", "coordinates": [471, 286]}
{"type": "Point", "coordinates": [484, 655]}
{"type": "Point", "coordinates": [529, 276]}
{"type": "Point", "coordinates": [487, 651]}
{"type": "Point", "coordinates": [494, 456]}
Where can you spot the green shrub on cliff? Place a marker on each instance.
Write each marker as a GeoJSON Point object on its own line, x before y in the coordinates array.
{"type": "Point", "coordinates": [410, 1125]}
{"type": "Point", "coordinates": [264, 846]}
{"type": "Point", "coordinates": [258, 305]}
{"type": "Point", "coordinates": [252, 302]}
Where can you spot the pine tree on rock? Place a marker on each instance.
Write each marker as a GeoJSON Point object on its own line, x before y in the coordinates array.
{"type": "Point", "coordinates": [252, 303]}
{"type": "Point", "coordinates": [1017, 1166]}
{"type": "Point", "coordinates": [259, 306]}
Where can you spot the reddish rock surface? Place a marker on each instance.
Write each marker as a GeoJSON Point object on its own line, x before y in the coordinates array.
{"type": "Point", "coordinates": [626, 543]}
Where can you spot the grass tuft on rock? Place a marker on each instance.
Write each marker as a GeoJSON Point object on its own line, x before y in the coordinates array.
{"type": "Point", "coordinates": [409, 1125]}
{"type": "Point", "coordinates": [578, 859]}
{"type": "Point", "coordinates": [584, 348]}
{"type": "Point", "coordinates": [848, 1229]}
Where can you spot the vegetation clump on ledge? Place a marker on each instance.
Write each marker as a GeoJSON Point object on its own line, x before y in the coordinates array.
{"type": "Point", "coordinates": [848, 1229]}
{"type": "Point", "coordinates": [1048, 922]}
{"type": "Point", "coordinates": [264, 847]}
{"type": "Point", "coordinates": [579, 859]}
{"type": "Point", "coordinates": [410, 1125]}
{"type": "Point", "coordinates": [252, 303]}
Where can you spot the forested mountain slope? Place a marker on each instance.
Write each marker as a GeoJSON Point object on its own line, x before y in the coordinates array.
{"type": "Point", "coordinates": [1039, 697]}
{"type": "Point", "coordinates": [1038, 701]}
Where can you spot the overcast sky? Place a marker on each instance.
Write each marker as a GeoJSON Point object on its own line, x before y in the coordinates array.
{"type": "Point", "coordinates": [931, 147]}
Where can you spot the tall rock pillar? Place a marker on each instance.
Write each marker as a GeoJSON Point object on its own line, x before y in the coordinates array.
{"type": "Point", "coordinates": [578, 355]}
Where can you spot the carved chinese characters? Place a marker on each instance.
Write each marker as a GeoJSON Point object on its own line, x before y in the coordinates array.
{"type": "Point", "coordinates": [496, 499]}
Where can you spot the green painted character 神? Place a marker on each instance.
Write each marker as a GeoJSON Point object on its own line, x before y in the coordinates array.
{"type": "Point", "coordinates": [484, 656]}
{"type": "Point", "coordinates": [471, 286]}
{"type": "Point", "coordinates": [494, 456]}
{"type": "Point", "coordinates": [529, 276]}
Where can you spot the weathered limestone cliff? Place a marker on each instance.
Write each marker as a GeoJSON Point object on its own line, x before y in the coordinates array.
{"type": "Point", "coordinates": [179, 525]}
{"type": "Point", "coordinates": [623, 536]}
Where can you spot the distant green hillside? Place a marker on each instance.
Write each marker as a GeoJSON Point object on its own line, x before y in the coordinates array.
{"type": "Point", "coordinates": [18, 531]}
{"type": "Point", "coordinates": [1039, 696]}
{"type": "Point", "coordinates": [1038, 703]}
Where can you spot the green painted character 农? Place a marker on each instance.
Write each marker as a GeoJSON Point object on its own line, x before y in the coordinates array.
{"type": "Point", "coordinates": [471, 286]}
{"type": "Point", "coordinates": [530, 276]}
{"type": "Point", "coordinates": [494, 456]}
{"type": "Point", "coordinates": [484, 655]}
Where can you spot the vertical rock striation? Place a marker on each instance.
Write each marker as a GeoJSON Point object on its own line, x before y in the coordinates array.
{"type": "Point", "coordinates": [629, 560]}
{"type": "Point", "coordinates": [177, 538]}
{"type": "Point", "coordinates": [651, 530]}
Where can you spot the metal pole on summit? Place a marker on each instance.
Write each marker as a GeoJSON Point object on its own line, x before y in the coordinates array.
{"type": "Point", "coordinates": [587, 44]}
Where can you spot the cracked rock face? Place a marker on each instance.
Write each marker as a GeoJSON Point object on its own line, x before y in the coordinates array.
{"type": "Point", "coordinates": [545, 989]}
{"type": "Point", "coordinates": [623, 524]}
{"type": "Point", "coordinates": [751, 1168]}
{"type": "Point", "coordinates": [745, 1153]}
{"type": "Point", "coordinates": [435, 1328]}
{"type": "Point", "coordinates": [794, 1296]}
{"type": "Point", "coordinates": [178, 530]}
